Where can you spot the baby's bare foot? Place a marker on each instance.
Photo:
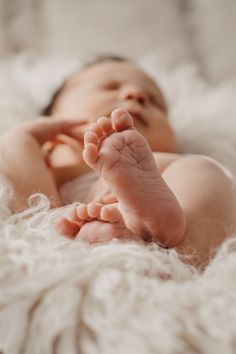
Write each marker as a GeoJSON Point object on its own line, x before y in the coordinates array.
{"type": "Point", "coordinates": [96, 223]}
{"type": "Point", "coordinates": [105, 224]}
{"type": "Point", "coordinates": [123, 157]}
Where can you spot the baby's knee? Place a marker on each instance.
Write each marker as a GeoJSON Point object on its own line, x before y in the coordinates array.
{"type": "Point", "coordinates": [213, 180]}
{"type": "Point", "coordinates": [211, 162]}
{"type": "Point", "coordinates": [205, 163]}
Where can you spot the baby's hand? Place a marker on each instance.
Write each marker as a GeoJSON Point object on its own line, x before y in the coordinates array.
{"type": "Point", "coordinates": [51, 129]}
{"type": "Point", "coordinates": [49, 132]}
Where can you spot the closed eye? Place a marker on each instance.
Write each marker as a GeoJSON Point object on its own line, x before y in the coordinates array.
{"type": "Point", "coordinates": [111, 85]}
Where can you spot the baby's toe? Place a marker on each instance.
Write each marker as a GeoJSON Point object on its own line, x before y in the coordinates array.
{"type": "Point", "coordinates": [90, 153]}
{"type": "Point", "coordinates": [105, 125]}
{"type": "Point", "coordinates": [82, 212]}
{"type": "Point", "coordinates": [110, 213]}
{"type": "Point", "coordinates": [93, 210]}
{"type": "Point", "coordinates": [121, 119]}
{"type": "Point", "coordinates": [96, 128]}
{"type": "Point", "coordinates": [90, 138]}
{"type": "Point", "coordinates": [73, 213]}
{"type": "Point", "coordinates": [67, 227]}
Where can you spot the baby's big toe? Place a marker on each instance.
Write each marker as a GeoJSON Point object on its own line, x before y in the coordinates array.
{"type": "Point", "coordinates": [67, 227]}
{"type": "Point", "coordinates": [121, 119]}
{"type": "Point", "coordinates": [110, 214]}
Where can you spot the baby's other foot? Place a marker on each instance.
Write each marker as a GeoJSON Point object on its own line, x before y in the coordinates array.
{"type": "Point", "coordinates": [95, 223]}
{"type": "Point", "coordinates": [102, 224]}
{"type": "Point", "coordinates": [78, 215]}
{"type": "Point", "coordinates": [123, 157]}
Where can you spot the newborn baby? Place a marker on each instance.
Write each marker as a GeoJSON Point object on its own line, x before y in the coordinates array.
{"type": "Point", "coordinates": [114, 115]}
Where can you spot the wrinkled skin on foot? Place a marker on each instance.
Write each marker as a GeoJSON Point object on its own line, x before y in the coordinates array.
{"type": "Point", "coordinates": [124, 160]}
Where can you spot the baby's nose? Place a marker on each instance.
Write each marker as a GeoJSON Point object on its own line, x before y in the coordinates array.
{"type": "Point", "coordinates": [135, 93]}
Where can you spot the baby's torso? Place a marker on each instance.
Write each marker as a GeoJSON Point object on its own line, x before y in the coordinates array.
{"type": "Point", "coordinates": [78, 188]}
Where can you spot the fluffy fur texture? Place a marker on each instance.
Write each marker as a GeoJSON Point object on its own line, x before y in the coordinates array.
{"type": "Point", "coordinates": [59, 296]}
{"type": "Point", "coordinates": [62, 296]}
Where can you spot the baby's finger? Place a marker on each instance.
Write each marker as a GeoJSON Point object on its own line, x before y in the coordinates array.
{"type": "Point", "coordinates": [68, 124]}
{"type": "Point", "coordinates": [45, 129]}
{"type": "Point", "coordinates": [77, 133]}
{"type": "Point", "coordinates": [67, 140]}
{"type": "Point", "coordinates": [71, 128]}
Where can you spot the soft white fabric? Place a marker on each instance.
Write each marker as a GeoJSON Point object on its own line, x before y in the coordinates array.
{"type": "Point", "coordinates": [68, 297]}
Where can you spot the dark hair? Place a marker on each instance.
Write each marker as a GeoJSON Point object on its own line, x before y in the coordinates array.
{"type": "Point", "coordinates": [46, 111]}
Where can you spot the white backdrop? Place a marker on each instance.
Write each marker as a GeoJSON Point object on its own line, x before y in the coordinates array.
{"type": "Point", "coordinates": [199, 30]}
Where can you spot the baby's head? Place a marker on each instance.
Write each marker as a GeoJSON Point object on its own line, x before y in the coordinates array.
{"type": "Point", "coordinates": [112, 82]}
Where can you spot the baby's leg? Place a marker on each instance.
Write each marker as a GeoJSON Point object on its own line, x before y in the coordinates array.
{"type": "Point", "coordinates": [123, 158]}
{"type": "Point", "coordinates": [207, 195]}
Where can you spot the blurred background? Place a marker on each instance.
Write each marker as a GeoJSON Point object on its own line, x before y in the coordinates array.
{"type": "Point", "coordinates": [176, 31]}
{"type": "Point", "coordinates": [188, 46]}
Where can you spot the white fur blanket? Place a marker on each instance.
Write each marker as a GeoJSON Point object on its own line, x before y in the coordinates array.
{"type": "Point", "coordinates": [59, 296]}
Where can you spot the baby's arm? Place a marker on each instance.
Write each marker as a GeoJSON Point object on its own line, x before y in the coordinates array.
{"type": "Point", "coordinates": [22, 161]}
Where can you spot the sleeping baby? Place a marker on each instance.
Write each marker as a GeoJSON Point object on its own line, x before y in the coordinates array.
{"type": "Point", "coordinates": [107, 147]}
